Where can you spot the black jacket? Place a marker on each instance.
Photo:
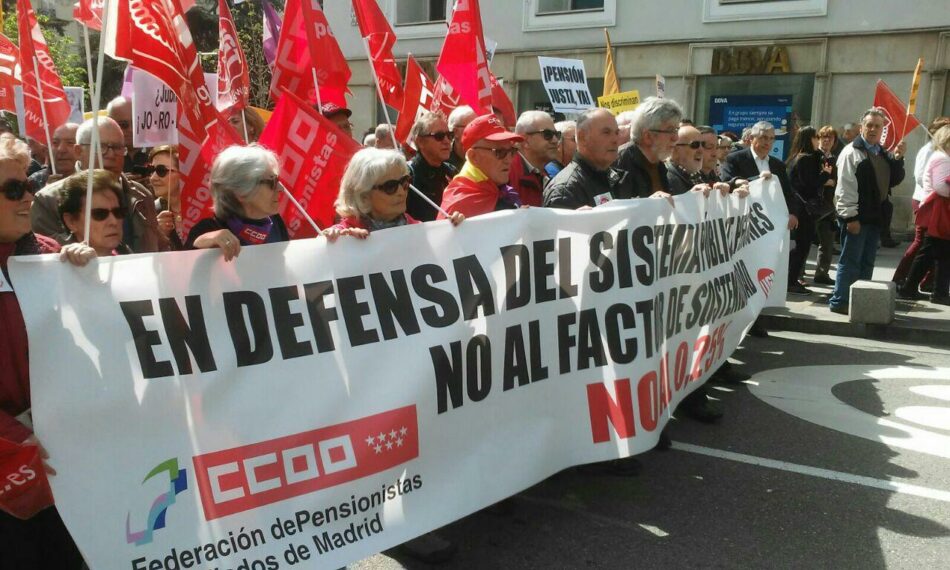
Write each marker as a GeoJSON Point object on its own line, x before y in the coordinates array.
{"type": "Point", "coordinates": [741, 164]}
{"type": "Point", "coordinates": [857, 196]}
{"type": "Point", "coordinates": [431, 180]}
{"type": "Point", "coordinates": [579, 183]}
{"type": "Point", "coordinates": [806, 176]}
{"type": "Point", "coordinates": [631, 160]}
{"type": "Point", "coordinates": [681, 181]}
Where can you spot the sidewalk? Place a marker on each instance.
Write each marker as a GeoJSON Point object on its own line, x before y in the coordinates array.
{"type": "Point", "coordinates": [917, 322]}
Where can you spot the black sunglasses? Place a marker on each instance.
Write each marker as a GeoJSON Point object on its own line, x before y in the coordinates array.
{"type": "Point", "coordinates": [100, 214]}
{"type": "Point", "coordinates": [693, 145]}
{"type": "Point", "coordinates": [15, 189]}
{"type": "Point", "coordinates": [441, 135]}
{"type": "Point", "coordinates": [548, 134]}
{"type": "Point", "coordinates": [161, 170]}
{"type": "Point", "coordinates": [269, 182]}
{"type": "Point", "coordinates": [500, 153]}
{"type": "Point", "coordinates": [392, 186]}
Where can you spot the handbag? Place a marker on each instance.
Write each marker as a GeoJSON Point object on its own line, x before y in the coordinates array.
{"type": "Point", "coordinates": [817, 208]}
{"type": "Point", "coordinates": [936, 210]}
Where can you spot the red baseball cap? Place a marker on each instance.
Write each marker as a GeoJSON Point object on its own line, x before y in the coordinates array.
{"type": "Point", "coordinates": [329, 109]}
{"type": "Point", "coordinates": [489, 128]}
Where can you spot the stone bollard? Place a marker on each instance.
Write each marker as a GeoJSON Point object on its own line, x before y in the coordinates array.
{"type": "Point", "coordinates": [873, 302]}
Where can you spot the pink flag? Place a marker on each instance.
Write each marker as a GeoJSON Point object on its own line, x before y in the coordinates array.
{"type": "Point", "coordinates": [34, 56]}
{"type": "Point", "coordinates": [463, 62]}
{"type": "Point", "coordinates": [234, 81]}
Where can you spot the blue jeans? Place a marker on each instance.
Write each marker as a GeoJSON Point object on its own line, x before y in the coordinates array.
{"type": "Point", "coordinates": [858, 252]}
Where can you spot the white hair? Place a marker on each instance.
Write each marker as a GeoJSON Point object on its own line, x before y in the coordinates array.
{"type": "Point", "coordinates": [459, 115]}
{"type": "Point", "coordinates": [528, 120]}
{"type": "Point", "coordinates": [365, 170]}
{"type": "Point", "coordinates": [236, 172]}
{"type": "Point", "coordinates": [652, 113]}
{"type": "Point", "coordinates": [565, 126]}
{"type": "Point", "coordinates": [760, 129]}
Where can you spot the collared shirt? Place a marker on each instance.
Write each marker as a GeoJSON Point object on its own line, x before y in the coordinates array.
{"type": "Point", "coordinates": [535, 170]}
{"type": "Point", "coordinates": [761, 163]}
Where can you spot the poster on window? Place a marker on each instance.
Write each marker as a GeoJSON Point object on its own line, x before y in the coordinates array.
{"type": "Point", "coordinates": [737, 112]}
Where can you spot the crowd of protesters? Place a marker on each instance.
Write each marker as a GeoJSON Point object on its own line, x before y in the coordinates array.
{"type": "Point", "coordinates": [458, 167]}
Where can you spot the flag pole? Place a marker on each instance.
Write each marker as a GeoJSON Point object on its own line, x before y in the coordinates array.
{"type": "Point", "coordinates": [244, 123]}
{"type": "Point", "coordinates": [96, 95]}
{"type": "Point", "coordinates": [92, 92]}
{"type": "Point", "coordinates": [300, 208]}
{"type": "Point", "coordinates": [316, 88]}
{"type": "Point", "coordinates": [39, 90]}
{"type": "Point", "coordinates": [912, 99]}
{"type": "Point", "coordinates": [392, 132]}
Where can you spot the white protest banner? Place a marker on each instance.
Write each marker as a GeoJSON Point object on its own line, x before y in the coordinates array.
{"type": "Point", "coordinates": [660, 86]}
{"type": "Point", "coordinates": [565, 80]}
{"type": "Point", "coordinates": [318, 402]}
{"type": "Point", "coordinates": [154, 111]}
{"type": "Point", "coordinates": [76, 103]}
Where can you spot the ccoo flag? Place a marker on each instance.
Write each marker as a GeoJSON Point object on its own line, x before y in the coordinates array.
{"type": "Point", "coordinates": [417, 98]}
{"type": "Point", "coordinates": [234, 82]}
{"type": "Point", "coordinates": [898, 122]}
{"type": "Point", "coordinates": [463, 62]}
{"type": "Point", "coordinates": [9, 73]}
{"type": "Point", "coordinates": [39, 75]}
{"type": "Point", "coordinates": [380, 38]}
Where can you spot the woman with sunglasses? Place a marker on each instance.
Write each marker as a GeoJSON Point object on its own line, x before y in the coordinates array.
{"type": "Point", "coordinates": [373, 195]}
{"type": "Point", "coordinates": [246, 196]}
{"type": "Point", "coordinates": [40, 541]}
{"type": "Point", "coordinates": [164, 180]}
{"type": "Point", "coordinates": [106, 215]}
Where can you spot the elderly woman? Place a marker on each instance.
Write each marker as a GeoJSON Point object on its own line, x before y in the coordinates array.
{"type": "Point", "coordinates": [40, 541]}
{"type": "Point", "coordinates": [373, 195]}
{"type": "Point", "coordinates": [106, 216]}
{"type": "Point", "coordinates": [164, 179]}
{"type": "Point", "coordinates": [246, 196]}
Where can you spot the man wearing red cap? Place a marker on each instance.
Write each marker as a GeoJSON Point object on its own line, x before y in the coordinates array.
{"type": "Point", "coordinates": [482, 185]}
{"type": "Point", "coordinates": [339, 116]}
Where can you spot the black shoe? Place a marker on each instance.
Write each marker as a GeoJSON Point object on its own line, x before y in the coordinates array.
{"type": "Point", "coordinates": [823, 279]}
{"type": "Point", "coordinates": [664, 443]}
{"type": "Point", "coordinates": [758, 330]}
{"type": "Point", "coordinates": [909, 295]}
{"type": "Point", "coordinates": [797, 288]}
{"type": "Point", "coordinates": [940, 300]}
{"type": "Point", "coordinates": [840, 309]}
{"type": "Point", "coordinates": [430, 548]}
{"type": "Point", "coordinates": [705, 412]}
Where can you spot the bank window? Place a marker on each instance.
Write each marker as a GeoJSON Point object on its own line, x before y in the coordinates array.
{"type": "Point", "coordinates": [409, 12]}
{"type": "Point", "coordinates": [741, 10]}
{"type": "Point", "coordinates": [559, 6]}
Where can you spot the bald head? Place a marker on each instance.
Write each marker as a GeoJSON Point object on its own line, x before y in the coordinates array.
{"type": "Point", "coordinates": [111, 138]}
{"type": "Point", "coordinates": [684, 154]}
{"type": "Point", "coordinates": [120, 111]}
{"type": "Point", "coordinates": [598, 137]}
{"type": "Point", "coordinates": [64, 148]}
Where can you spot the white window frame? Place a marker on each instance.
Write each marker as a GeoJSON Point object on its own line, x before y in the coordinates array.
{"type": "Point", "coordinates": [420, 30]}
{"type": "Point", "coordinates": [715, 11]}
{"type": "Point", "coordinates": [533, 21]}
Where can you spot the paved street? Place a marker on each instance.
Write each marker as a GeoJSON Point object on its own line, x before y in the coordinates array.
{"type": "Point", "coordinates": [835, 455]}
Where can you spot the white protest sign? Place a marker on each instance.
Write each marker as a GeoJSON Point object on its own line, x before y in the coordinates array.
{"type": "Point", "coordinates": [565, 80]}
{"type": "Point", "coordinates": [335, 400]}
{"type": "Point", "coordinates": [77, 103]}
{"type": "Point", "coordinates": [660, 86]}
{"type": "Point", "coordinates": [154, 111]}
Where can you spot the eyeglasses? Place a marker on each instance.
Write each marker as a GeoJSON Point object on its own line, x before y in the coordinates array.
{"type": "Point", "coordinates": [101, 214]}
{"type": "Point", "coordinates": [500, 153]}
{"type": "Point", "coordinates": [693, 145]}
{"type": "Point", "coordinates": [161, 170]}
{"type": "Point", "coordinates": [116, 148]}
{"type": "Point", "coordinates": [441, 135]}
{"type": "Point", "coordinates": [548, 134]}
{"type": "Point", "coordinates": [269, 182]}
{"type": "Point", "coordinates": [15, 189]}
{"type": "Point", "coordinates": [665, 131]}
{"type": "Point", "coordinates": [390, 187]}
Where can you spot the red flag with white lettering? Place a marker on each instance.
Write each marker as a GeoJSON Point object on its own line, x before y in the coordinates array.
{"type": "Point", "coordinates": [306, 42]}
{"type": "Point", "coordinates": [444, 98]}
{"type": "Point", "coordinates": [234, 81]}
{"type": "Point", "coordinates": [89, 13]}
{"type": "Point", "coordinates": [34, 56]}
{"type": "Point", "coordinates": [157, 41]}
{"type": "Point", "coordinates": [418, 97]}
{"type": "Point", "coordinates": [463, 61]}
{"type": "Point", "coordinates": [9, 73]}
{"type": "Point", "coordinates": [313, 154]}
{"type": "Point", "coordinates": [898, 123]}
{"type": "Point", "coordinates": [380, 36]}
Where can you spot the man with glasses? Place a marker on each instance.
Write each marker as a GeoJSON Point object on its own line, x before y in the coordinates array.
{"type": "Point", "coordinates": [653, 134]}
{"type": "Point", "coordinates": [135, 160]}
{"type": "Point", "coordinates": [140, 227]}
{"type": "Point", "coordinates": [527, 175]}
{"type": "Point", "coordinates": [429, 168]}
{"type": "Point", "coordinates": [64, 156]}
{"type": "Point", "coordinates": [482, 185]}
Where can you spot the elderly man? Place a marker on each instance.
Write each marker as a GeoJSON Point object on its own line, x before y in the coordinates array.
{"type": "Point", "coordinates": [459, 118]}
{"type": "Point", "coordinates": [527, 175]}
{"type": "Point", "coordinates": [565, 147]}
{"type": "Point", "coordinates": [683, 167]}
{"type": "Point", "coordinates": [383, 137]}
{"type": "Point", "coordinates": [866, 172]}
{"type": "Point", "coordinates": [653, 133]}
{"type": "Point", "coordinates": [429, 168]}
{"type": "Point", "coordinates": [140, 226]}
{"type": "Point", "coordinates": [339, 116]}
{"type": "Point", "coordinates": [709, 171]}
{"type": "Point", "coordinates": [482, 185]}
{"type": "Point", "coordinates": [64, 156]}
{"type": "Point", "coordinates": [590, 180]}
{"type": "Point", "coordinates": [135, 160]}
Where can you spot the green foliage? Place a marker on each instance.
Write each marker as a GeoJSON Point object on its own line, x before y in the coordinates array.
{"type": "Point", "coordinates": [70, 62]}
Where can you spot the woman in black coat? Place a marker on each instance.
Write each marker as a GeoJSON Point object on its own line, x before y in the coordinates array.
{"type": "Point", "coordinates": [807, 172]}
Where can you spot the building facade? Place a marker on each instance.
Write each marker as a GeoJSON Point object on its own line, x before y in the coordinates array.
{"type": "Point", "coordinates": [725, 61]}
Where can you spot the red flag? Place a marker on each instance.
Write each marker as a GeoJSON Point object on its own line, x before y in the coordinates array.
{"type": "Point", "coordinates": [234, 80]}
{"type": "Point", "coordinates": [380, 36]}
{"type": "Point", "coordinates": [444, 98]}
{"type": "Point", "coordinates": [307, 42]}
{"type": "Point", "coordinates": [418, 98]}
{"type": "Point", "coordinates": [157, 41]}
{"type": "Point", "coordinates": [898, 123]}
{"type": "Point", "coordinates": [500, 101]}
{"type": "Point", "coordinates": [34, 56]}
{"type": "Point", "coordinates": [9, 73]}
{"type": "Point", "coordinates": [89, 13]}
{"type": "Point", "coordinates": [313, 155]}
{"type": "Point", "coordinates": [463, 61]}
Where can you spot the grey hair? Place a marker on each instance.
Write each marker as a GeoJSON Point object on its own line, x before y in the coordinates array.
{"type": "Point", "coordinates": [383, 131]}
{"type": "Point", "coordinates": [876, 112]}
{"type": "Point", "coordinates": [652, 113]}
{"type": "Point", "coordinates": [365, 170]}
{"type": "Point", "coordinates": [424, 123]}
{"type": "Point", "coordinates": [564, 126]}
{"type": "Point", "coordinates": [120, 100]}
{"type": "Point", "coordinates": [746, 133]}
{"type": "Point", "coordinates": [760, 129]}
{"type": "Point", "coordinates": [459, 116]}
{"type": "Point", "coordinates": [84, 132]}
{"type": "Point", "coordinates": [528, 119]}
{"type": "Point", "coordinates": [584, 119]}
{"type": "Point", "coordinates": [235, 173]}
